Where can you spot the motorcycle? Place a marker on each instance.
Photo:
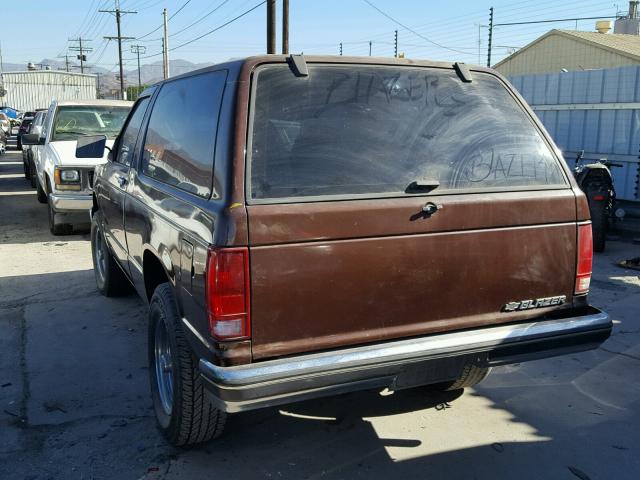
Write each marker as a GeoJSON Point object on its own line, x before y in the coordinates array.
{"type": "Point", "coordinates": [596, 182]}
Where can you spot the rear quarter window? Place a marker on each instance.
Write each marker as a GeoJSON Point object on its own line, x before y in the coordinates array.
{"type": "Point", "coordinates": [373, 130]}
{"type": "Point", "coordinates": [180, 140]}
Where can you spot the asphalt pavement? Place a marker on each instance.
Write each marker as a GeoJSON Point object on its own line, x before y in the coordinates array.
{"type": "Point", "coordinates": [75, 402]}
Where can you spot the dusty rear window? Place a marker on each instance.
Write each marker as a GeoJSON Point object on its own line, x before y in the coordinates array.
{"type": "Point", "coordinates": [371, 130]}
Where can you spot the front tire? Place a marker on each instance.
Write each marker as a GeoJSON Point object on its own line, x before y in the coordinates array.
{"type": "Point", "coordinates": [41, 195]}
{"type": "Point", "coordinates": [110, 279]}
{"type": "Point", "coordinates": [184, 412]}
{"type": "Point", "coordinates": [54, 227]}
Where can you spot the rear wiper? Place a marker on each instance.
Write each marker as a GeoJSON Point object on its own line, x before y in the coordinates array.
{"type": "Point", "coordinates": [424, 185]}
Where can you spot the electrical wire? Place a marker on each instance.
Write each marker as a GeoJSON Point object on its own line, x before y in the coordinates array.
{"type": "Point", "coordinates": [410, 29]}
{"type": "Point", "coordinates": [162, 24]}
{"type": "Point", "coordinates": [199, 20]}
{"type": "Point", "coordinates": [210, 31]}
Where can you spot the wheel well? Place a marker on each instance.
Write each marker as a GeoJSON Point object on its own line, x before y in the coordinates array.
{"type": "Point", "coordinates": [154, 273]}
{"type": "Point", "coordinates": [94, 207]}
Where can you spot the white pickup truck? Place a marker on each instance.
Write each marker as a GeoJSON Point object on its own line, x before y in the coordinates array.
{"type": "Point", "coordinates": [63, 181]}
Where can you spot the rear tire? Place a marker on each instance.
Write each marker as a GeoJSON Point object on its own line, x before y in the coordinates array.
{"type": "Point", "coordinates": [599, 224]}
{"type": "Point", "coordinates": [184, 412]}
{"type": "Point", "coordinates": [110, 279]}
{"type": "Point", "coordinates": [471, 375]}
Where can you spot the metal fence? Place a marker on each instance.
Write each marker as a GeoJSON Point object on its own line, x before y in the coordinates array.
{"type": "Point", "coordinates": [597, 111]}
{"type": "Point", "coordinates": [30, 90]}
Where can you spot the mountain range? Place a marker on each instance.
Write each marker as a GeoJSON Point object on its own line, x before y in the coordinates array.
{"type": "Point", "coordinates": [108, 79]}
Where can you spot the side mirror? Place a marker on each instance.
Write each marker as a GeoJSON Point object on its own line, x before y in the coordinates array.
{"type": "Point", "coordinates": [32, 139]}
{"type": "Point", "coordinates": [91, 146]}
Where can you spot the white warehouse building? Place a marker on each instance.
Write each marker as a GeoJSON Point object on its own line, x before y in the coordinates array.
{"type": "Point", "coordinates": [30, 90]}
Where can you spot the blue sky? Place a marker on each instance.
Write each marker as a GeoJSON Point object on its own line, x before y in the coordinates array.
{"type": "Point", "coordinates": [316, 27]}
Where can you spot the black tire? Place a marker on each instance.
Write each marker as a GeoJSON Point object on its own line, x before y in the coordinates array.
{"type": "Point", "coordinates": [599, 225]}
{"type": "Point", "coordinates": [110, 279]}
{"type": "Point", "coordinates": [32, 171]}
{"type": "Point", "coordinates": [471, 375]}
{"type": "Point", "coordinates": [41, 194]}
{"type": "Point", "coordinates": [190, 417]}
{"type": "Point", "coordinates": [25, 168]}
{"type": "Point", "coordinates": [54, 227]}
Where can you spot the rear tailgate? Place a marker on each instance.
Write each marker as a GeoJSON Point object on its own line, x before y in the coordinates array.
{"type": "Point", "coordinates": [331, 269]}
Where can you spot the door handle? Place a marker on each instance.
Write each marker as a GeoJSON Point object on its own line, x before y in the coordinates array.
{"type": "Point", "coordinates": [122, 181]}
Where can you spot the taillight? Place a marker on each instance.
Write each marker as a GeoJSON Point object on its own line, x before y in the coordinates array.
{"type": "Point", "coordinates": [585, 259]}
{"type": "Point", "coordinates": [598, 197]}
{"type": "Point", "coordinates": [228, 299]}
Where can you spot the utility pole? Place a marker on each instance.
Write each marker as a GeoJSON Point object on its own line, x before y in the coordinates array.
{"type": "Point", "coordinates": [66, 61]}
{"type": "Point", "coordinates": [81, 51]}
{"type": "Point", "coordinates": [285, 27]}
{"type": "Point", "coordinates": [395, 44]}
{"type": "Point", "coordinates": [165, 45]}
{"type": "Point", "coordinates": [118, 14]}
{"type": "Point", "coordinates": [138, 49]}
{"type": "Point", "coordinates": [340, 48]}
{"type": "Point", "coordinates": [271, 26]}
{"type": "Point", "coordinates": [490, 37]}
{"type": "Point", "coordinates": [370, 43]}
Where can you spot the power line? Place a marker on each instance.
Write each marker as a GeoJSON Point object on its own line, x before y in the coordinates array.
{"type": "Point", "coordinates": [162, 24]}
{"type": "Point", "coordinates": [211, 31]}
{"type": "Point", "coordinates": [199, 20]}
{"type": "Point", "coordinates": [410, 29]}
{"type": "Point", "coordinates": [118, 13]}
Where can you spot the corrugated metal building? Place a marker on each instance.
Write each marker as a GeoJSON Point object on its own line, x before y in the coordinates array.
{"type": "Point", "coordinates": [34, 89]}
{"type": "Point", "coordinates": [597, 111]}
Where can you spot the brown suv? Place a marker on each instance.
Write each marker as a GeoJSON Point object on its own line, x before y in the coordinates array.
{"type": "Point", "coordinates": [309, 226]}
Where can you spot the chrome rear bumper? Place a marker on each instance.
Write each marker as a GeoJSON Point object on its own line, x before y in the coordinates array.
{"type": "Point", "coordinates": [401, 363]}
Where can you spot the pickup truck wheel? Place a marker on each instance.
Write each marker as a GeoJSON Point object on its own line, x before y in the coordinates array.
{"type": "Point", "coordinates": [32, 173]}
{"type": "Point", "coordinates": [42, 196]}
{"type": "Point", "coordinates": [110, 279]}
{"type": "Point", "coordinates": [471, 375]}
{"type": "Point", "coordinates": [25, 168]}
{"type": "Point", "coordinates": [184, 412]}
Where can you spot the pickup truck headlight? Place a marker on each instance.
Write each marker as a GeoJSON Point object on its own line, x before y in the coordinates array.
{"type": "Point", "coordinates": [67, 179]}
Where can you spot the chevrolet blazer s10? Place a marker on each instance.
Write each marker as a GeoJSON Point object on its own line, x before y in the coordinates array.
{"type": "Point", "coordinates": [330, 224]}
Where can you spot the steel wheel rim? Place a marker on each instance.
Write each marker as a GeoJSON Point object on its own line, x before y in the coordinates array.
{"type": "Point", "coordinates": [99, 255]}
{"type": "Point", "coordinates": [164, 367]}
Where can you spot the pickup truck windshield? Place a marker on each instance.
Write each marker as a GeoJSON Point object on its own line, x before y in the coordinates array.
{"type": "Point", "coordinates": [362, 130]}
{"type": "Point", "coordinates": [72, 122]}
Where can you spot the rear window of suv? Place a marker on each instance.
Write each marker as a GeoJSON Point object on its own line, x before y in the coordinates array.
{"type": "Point", "coordinates": [366, 131]}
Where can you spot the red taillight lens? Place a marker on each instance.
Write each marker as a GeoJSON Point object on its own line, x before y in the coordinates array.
{"type": "Point", "coordinates": [585, 259]}
{"type": "Point", "coordinates": [228, 297]}
{"type": "Point", "coordinates": [598, 197]}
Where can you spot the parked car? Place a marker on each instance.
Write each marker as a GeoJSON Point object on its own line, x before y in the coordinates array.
{"type": "Point", "coordinates": [329, 224]}
{"type": "Point", "coordinates": [3, 142]}
{"type": "Point", "coordinates": [31, 153]}
{"type": "Point", "coordinates": [24, 126]}
{"type": "Point", "coordinates": [63, 181]}
{"type": "Point", "coordinates": [5, 124]}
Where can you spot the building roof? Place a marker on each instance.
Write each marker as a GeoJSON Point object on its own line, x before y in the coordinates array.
{"type": "Point", "coordinates": [626, 45]}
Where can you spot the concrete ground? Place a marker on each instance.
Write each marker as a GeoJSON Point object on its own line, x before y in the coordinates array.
{"type": "Point", "coordinates": [75, 402]}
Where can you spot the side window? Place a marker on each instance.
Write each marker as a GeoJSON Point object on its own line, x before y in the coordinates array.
{"type": "Point", "coordinates": [180, 141]}
{"type": "Point", "coordinates": [127, 143]}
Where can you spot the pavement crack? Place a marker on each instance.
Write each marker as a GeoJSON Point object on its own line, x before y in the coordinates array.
{"type": "Point", "coordinates": [24, 373]}
{"type": "Point", "coordinates": [627, 355]}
